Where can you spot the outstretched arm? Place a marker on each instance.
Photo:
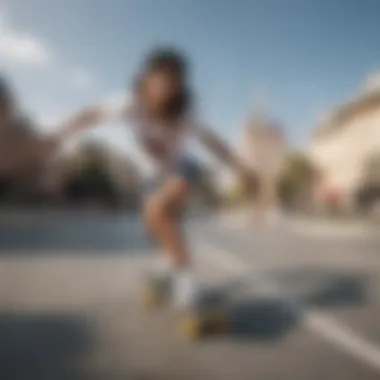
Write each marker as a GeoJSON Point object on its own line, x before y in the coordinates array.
{"type": "Point", "coordinates": [222, 151]}
{"type": "Point", "coordinates": [45, 148]}
{"type": "Point", "coordinates": [82, 121]}
{"type": "Point", "coordinates": [219, 148]}
{"type": "Point", "coordinates": [27, 149]}
{"type": "Point", "coordinates": [93, 116]}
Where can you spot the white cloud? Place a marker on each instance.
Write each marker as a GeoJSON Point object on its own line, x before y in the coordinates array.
{"type": "Point", "coordinates": [81, 79]}
{"type": "Point", "coordinates": [21, 47]}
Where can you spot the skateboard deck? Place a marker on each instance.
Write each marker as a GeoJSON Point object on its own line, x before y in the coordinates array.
{"type": "Point", "coordinates": [209, 316]}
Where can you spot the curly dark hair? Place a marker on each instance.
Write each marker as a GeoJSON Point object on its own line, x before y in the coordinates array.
{"type": "Point", "coordinates": [167, 59]}
{"type": "Point", "coordinates": [174, 63]}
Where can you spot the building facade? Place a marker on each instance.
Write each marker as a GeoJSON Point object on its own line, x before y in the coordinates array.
{"type": "Point", "coordinates": [342, 145]}
{"type": "Point", "coordinates": [263, 147]}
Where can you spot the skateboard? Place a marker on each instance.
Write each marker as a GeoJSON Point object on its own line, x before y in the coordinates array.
{"type": "Point", "coordinates": [208, 316]}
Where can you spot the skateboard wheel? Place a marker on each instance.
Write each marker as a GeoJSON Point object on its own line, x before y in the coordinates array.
{"type": "Point", "coordinates": [192, 328]}
{"type": "Point", "coordinates": [195, 327]}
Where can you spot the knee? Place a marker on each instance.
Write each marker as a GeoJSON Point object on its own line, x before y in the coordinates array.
{"type": "Point", "coordinates": [154, 212]}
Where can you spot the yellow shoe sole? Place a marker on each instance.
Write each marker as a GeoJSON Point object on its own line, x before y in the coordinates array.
{"type": "Point", "coordinates": [196, 327]}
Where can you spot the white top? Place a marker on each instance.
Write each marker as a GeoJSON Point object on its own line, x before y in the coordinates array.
{"type": "Point", "coordinates": [161, 145]}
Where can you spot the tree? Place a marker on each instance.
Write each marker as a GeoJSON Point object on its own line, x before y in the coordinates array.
{"type": "Point", "coordinates": [236, 193]}
{"type": "Point", "coordinates": [296, 181]}
{"type": "Point", "coordinates": [90, 178]}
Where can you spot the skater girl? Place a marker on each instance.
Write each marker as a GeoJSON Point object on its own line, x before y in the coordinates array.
{"type": "Point", "coordinates": [161, 112]}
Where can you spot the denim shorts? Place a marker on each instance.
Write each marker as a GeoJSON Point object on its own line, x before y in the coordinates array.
{"type": "Point", "coordinates": [186, 167]}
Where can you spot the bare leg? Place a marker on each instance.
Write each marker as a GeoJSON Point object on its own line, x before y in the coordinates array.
{"type": "Point", "coordinates": [162, 215]}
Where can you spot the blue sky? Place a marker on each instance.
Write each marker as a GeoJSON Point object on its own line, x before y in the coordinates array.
{"type": "Point", "coordinates": [303, 56]}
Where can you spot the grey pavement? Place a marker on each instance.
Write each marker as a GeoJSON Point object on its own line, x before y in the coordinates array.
{"type": "Point", "coordinates": [302, 306]}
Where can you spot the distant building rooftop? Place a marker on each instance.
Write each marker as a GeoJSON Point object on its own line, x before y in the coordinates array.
{"type": "Point", "coordinates": [367, 100]}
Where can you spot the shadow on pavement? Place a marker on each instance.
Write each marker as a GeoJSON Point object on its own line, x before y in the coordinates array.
{"type": "Point", "coordinates": [39, 347]}
{"type": "Point", "coordinates": [339, 292]}
{"type": "Point", "coordinates": [269, 318]}
{"type": "Point", "coordinates": [261, 320]}
{"type": "Point", "coordinates": [325, 287]}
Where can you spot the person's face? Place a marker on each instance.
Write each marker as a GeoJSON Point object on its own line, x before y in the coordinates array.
{"type": "Point", "coordinates": [160, 86]}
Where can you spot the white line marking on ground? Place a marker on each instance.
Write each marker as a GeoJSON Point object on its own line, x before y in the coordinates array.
{"type": "Point", "coordinates": [331, 330]}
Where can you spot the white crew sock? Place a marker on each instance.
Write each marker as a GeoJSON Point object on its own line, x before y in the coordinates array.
{"type": "Point", "coordinates": [185, 289]}
{"type": "Point", "coordinates": [163, 267]}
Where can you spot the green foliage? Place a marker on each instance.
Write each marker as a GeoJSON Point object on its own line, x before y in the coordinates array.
{"type": "Point", "coordinates": [297, 179]}
{"type": "Point", "coordinates": [93, 180]}
{"type": "Point", "coordinates": [237, 194]}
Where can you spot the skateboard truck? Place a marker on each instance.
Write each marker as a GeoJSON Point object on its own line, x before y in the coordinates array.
{"type": "Point", "coordinates": [207, 318]}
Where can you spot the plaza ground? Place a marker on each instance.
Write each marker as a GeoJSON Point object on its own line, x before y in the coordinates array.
{"type": "Point", "coordinates": [305, 305]}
